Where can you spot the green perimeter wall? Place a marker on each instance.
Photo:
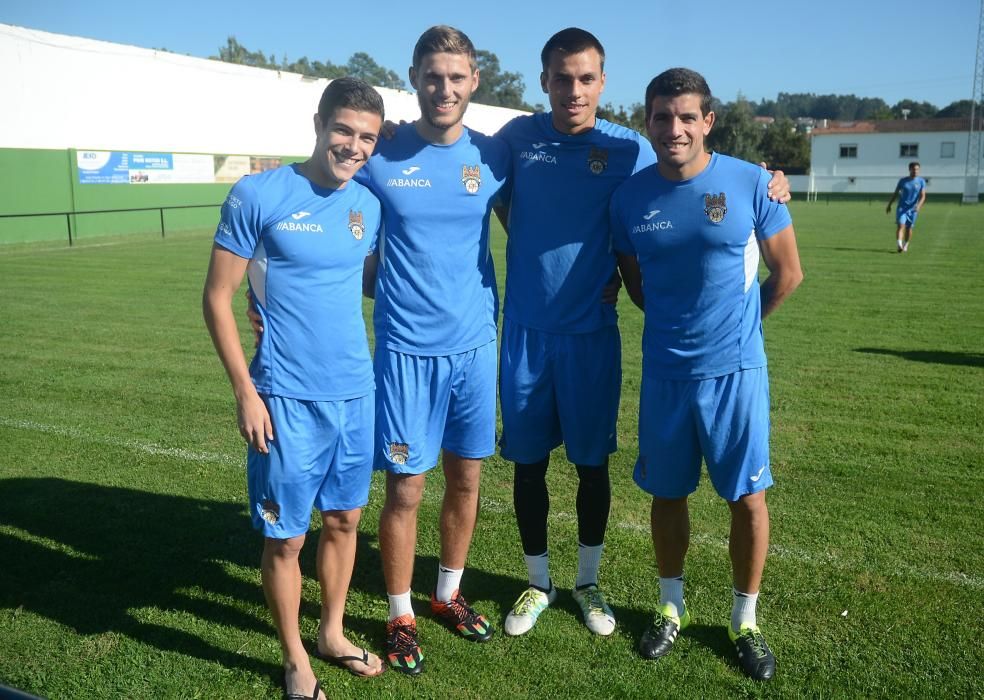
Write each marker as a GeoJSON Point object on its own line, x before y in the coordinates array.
{"type": "Point", "coordinates": [36, 181]}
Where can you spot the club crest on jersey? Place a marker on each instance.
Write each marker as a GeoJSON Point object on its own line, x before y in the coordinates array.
{"type": "Point", "coordinates": [356, 225]}
{"type": "Point", "coordinates": [270, 511]}
{"type": "Point", "coordinates": [471, 177]}
{"type": "Point", "coordinates": [598, 160]}
{"type": "Point", "coordinates": [715, 207]}
{"type": "Point", "coordinates": [399, 452]}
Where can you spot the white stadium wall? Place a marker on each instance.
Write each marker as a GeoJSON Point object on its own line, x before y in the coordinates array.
{"type": "Point", "coordinates": [90, 126]}
{"type": "Point", "coordinates": [69, 92]}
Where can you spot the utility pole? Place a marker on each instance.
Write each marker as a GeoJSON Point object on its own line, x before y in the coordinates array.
{"type": "Point", "coordinates": [972, 173]}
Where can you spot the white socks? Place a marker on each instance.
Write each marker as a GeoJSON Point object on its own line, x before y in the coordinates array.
{"type": "Point", "coordinates": [400, 605]}
{"type": "Point", "coordinates": [448, 581]}
{"type": "Point", "coordinates": [539, 570]}
{"type": "Point", "coordinates": [671, 594]}
{"type": "Point", "coordinates": [743, 610]}
{"type": "Point", "coordinates": [588, 562]}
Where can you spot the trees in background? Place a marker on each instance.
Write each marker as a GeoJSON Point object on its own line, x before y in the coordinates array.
{"type": "Point", "coordinates": [736, 133]}
{"type": "Point", "coordinates": [496, 87]}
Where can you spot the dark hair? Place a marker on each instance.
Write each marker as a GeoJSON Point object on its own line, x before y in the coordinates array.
{"type": "Point", "coordinates": [678, 81]}
{"type": "Point", "coordinates": [914, 163]}
{"type": "Point", "coordinates": [569, 41]}
{"type": "Point", "coordinates": [350, 93]}
{"type": "Point", "coordinates": [444, 39]}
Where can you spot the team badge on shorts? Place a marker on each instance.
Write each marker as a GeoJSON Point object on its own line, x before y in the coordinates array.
{"type": "Point", "coordinates": [471, 177]}
{"type": "Point", "coordinates": [399, 452]}
{"type": "Point", "coordinates": [356, 225]}
{"type": "Point", "coordinates": [598, 160]}
{"type": "Point", "coordinates": [270, 511]}
{"type": "Point", "coordinates": [715, 207]}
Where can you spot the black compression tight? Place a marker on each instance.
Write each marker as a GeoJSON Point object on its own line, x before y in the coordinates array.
{"type": "Point", "coordinates": [532, 504]}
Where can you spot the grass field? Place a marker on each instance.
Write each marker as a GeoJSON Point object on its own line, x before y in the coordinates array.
{"type": "Point", "coordinates": [128, 568]}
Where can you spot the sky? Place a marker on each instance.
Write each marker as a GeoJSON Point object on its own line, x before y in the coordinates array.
{"type": "Point", "coordinates": [904, 49]}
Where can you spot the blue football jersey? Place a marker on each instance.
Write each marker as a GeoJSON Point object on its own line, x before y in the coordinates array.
{"type": "Point", "coordinates": [909, 190]}
{"type": "Point", "coordinates": [436, 288]}
{"type": "Point", "coordinates": [306, 246]}
{"type": "Point", "coordinates": [558, 256]}
{"type": "Point", "coordinates": [697, 245]}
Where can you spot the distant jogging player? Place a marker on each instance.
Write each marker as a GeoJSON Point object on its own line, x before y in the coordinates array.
{"type": "Point", "coordinates": [911, 192]}
{"type": "Point", "coordinates": [305, 404]}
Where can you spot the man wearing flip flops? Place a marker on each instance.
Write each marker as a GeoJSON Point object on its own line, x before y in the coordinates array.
{"type": "Point", "coordinates": [306, 403]}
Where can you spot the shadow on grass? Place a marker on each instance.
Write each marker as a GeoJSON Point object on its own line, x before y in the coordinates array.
{"type": "Point", "coordinates": [713, 637]}
{"type": "Point", "coordinates": [940, 357]}
{"type": "Point", "coordinates": [94, 558]}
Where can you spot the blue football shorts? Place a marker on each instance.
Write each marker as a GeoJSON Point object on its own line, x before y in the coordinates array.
{"type": "Point", "coordinates": [320, 457]}
{"type": "Point", "coordinates": [428, 403]}
{"type": "Point", "coordinates": [906, 217]}
{"type": "Point", "coordinates": [559, 388]}
{"type": "Point", "coordinates": [724, 420]}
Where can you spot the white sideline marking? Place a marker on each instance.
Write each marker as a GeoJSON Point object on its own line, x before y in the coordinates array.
{"type": "Point", "coordinates": [147, 448]}
{"type": "Point", "coordinates": [486, 503]}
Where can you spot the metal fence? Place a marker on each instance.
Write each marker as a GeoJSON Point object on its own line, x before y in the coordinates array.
{"type": "Point", "coordinates": [69, 214]}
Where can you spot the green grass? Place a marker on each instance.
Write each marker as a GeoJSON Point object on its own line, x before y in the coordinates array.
{"type": "Point", "coordinates": [128, 567]}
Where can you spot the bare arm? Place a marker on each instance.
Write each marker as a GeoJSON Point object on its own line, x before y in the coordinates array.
{"type": "Point", "coordinates": [369, 269]}
{"type": "Point", "coordinates": [888, 207]}
{"type": "Point", "coordinates": [781, 257]}
{"type": "Point", "coordinates": [922, 199]}
{"type": "Point", "coordinates": [225, 274]}
{"type": "Point", "coordinates": [628, 265]}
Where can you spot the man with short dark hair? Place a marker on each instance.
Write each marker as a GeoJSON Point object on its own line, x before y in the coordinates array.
{"type": "Point", "coordinates": [911, 192]}
{"type": "Point", "coordinates": [301, 233]}
{"type": "Point", "coordinates": [688, 232]}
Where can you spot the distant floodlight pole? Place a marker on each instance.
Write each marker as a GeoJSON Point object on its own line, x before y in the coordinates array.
{"type": "Point", "coordinates": [972, 174]}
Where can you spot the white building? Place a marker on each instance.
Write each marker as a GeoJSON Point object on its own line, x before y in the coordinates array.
{"type": "Point", "coordinates": [870, 156]}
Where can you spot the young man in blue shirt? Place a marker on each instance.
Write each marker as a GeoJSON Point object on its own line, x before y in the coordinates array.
{"type": "Point", "coordinates": [305, 403]}
{"type": "Point", "coordinates": [435, 323]}
{"type": "Point", "coordinates": [688, 233]}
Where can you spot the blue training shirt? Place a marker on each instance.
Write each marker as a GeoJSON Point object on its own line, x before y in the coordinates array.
{"type": "Point", "coordinates": [909, 189]}
{"type": "Point", "coordinates": [306, 245]}
{"type": "Point", "coordinates": [436, 289]}
{"type": "Point", "coordinates": [697, 245]}
{"type": "Point", "coordinates": [558, 256]}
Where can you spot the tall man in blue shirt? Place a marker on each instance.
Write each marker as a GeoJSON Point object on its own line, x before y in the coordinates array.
{"type": "Point", "coordinates": [435, 322]}
{"type": "Point", "coordinates": [305, 404]}
{"type": "Point", "coordinates": [911, 192]}
{"type": "Point", "coordinates": [688, 232]}
{"type": "Point", "coordinates": [560, 366]}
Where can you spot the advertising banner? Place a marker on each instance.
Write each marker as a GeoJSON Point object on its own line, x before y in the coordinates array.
{"type": "Point", "coordinates": [127, 167]}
